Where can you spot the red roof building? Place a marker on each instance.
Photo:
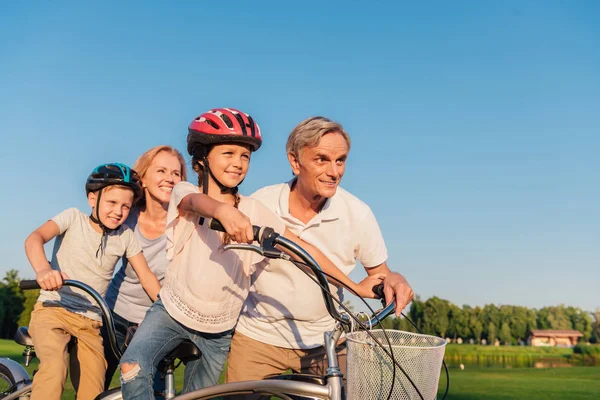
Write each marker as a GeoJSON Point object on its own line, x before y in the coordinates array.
{"type": "Point", "coordinates": [553, 337]}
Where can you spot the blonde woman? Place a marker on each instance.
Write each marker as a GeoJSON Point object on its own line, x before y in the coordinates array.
{"type": "Point", "coordinates": [160, 169]}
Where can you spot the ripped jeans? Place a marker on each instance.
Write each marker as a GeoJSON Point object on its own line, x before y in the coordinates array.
{"type": "Point", "coordinates": [156, 337]}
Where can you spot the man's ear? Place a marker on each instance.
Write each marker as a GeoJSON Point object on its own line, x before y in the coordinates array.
{"type": "Point", "coordinates": [294, 163]}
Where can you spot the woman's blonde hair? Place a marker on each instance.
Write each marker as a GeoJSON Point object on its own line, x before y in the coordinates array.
{"type": "Point", "coordinates": [143, 163]}
{"type": "Point", "coordinates": [309, 132]}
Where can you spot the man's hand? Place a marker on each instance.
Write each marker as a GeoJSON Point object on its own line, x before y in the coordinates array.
{"type": "Point", "coordinates": [397, 289]}
{"type": "Point", "coordinates": [50, 279]}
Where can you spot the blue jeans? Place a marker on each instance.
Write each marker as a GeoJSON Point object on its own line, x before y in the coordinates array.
{"type": "Point", "coordinates": [121, 326]}
{"type": "Point", "coordinates": [156, 337]}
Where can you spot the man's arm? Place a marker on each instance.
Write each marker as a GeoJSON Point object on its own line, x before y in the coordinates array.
{"type": "Point", "coordinates": [395, 287]}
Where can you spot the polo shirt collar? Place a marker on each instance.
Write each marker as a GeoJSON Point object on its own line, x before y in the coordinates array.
{"type": "Point", "coordinates": [329, 212]}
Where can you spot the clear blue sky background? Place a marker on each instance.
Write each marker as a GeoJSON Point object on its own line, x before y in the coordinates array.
{"type": "Point", "coordinates": [475, 124]}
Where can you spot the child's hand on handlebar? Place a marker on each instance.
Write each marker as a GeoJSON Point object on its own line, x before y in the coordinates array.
{"type": "Point", "coordinates": [50, 279]}
{"type": "Point", "coordinates": [236, 224]}
{"type": "Point", "coordinates": [365, 287]}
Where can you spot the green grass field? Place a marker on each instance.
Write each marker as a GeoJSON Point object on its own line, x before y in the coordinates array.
{"type": "Point", "coordinates": [575, 383]}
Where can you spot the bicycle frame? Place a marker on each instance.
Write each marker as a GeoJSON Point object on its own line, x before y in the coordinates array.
{"type": "Point", "coordinates": [332, 390]}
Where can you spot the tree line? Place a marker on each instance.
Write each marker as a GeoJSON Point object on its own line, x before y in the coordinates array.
{"type": "Point", "coordinates": [505, 323]}
{"type": "Point", "coordinates": [435, 316]}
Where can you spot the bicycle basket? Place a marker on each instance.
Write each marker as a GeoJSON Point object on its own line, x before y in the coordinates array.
{"type": "Point", "coordinates": [370, 369]}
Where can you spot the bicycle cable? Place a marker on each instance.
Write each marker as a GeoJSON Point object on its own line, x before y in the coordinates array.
{"type": "Point", "coordinates": [379, 323]}
{"type": "Point", "coordinates": [390, 352]}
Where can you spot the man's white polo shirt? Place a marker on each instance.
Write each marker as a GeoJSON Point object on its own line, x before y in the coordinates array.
{"type": "Point", "coordinates": [285, 308]}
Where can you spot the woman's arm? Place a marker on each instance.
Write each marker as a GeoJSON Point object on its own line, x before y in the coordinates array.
{"type": "Point", "coordinates": [48, 278]}
{"type": "Point", "coordinates": [363, 289]}
{"type": "Point", "coordinates": [148, 280]}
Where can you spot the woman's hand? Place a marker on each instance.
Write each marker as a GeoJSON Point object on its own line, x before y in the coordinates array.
{"type": "Point", "coordinates": [236, 224]}
{"type": "Point", "coordinates": [365, 287]}
{"type": "Point", "coordinates": [50, 279]}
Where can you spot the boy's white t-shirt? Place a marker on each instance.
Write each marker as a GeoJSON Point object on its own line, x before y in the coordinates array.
{"type": "Point", "coordinates": [76, 253]}
{"type": "Point", "coordinates": [284, 307]}
{"type": "Point", "coordinates": [205, 287]}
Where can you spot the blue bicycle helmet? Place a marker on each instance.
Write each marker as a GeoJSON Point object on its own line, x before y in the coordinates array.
{"type": "Point", "coordinates": [113, 174]}
{"type": "Point", "coordinates": [107, 175]}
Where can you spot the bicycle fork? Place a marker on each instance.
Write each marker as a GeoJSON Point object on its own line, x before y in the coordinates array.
{"type": "Point", "coordinates": [334, 374]}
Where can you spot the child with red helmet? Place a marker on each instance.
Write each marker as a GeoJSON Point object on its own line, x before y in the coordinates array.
{"type": "Point", "coordinates": [87, 249]}
{"type": "Point", "coordinates": [205, 287]}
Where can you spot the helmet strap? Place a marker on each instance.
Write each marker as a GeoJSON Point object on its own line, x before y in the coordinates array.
{"type": "Point", "coordinates": [205, 180]}
{"type": "Point", "coordinates": [224, 189]}
{"type": "Point", "coordinates": [105, 230]}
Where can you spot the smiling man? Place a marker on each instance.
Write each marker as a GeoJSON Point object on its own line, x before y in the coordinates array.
{"type": "Point", "coordinates": [284, 318]}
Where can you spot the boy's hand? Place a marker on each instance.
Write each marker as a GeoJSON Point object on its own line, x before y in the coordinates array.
{"type": "Point", "coordinates": [50, 279]}
{"type": "Point", "coordinates": [236, 224]}
{"type": "Point", "coordinates": [365, 287]}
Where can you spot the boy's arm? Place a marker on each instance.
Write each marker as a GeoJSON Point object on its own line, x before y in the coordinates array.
{"type": "Point", "coordinates": [48, 278]}
{"type": "Point", "coordinates": [363, 289]}
{"type": "Point", "coordinates": [148, 280]}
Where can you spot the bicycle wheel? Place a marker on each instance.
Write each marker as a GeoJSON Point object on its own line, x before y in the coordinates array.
{"type": "Point", "coordinates": [112, 394]}
{"type": "Point", "coordinates": [7, 381]}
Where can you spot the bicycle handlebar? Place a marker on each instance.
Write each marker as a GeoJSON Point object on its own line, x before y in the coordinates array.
{"type": "Point", "coordinates": [107, 315]}
{"type": "Point", "coordinates": [268, 237]}
{"type": "Point", "coordinates": [261, 234]}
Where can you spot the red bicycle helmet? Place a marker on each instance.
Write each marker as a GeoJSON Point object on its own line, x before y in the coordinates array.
{"type": "Point", "coordinates": [223, 125]}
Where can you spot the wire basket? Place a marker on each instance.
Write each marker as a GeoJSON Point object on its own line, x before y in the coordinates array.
{"type": "Point", "coordinates": [370, 369]}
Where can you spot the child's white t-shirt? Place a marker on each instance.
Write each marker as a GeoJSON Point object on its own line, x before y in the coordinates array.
{"type": "Point", "coordinates": [205, 287]}
{"type": "Point", "coordinates": [77, 253]}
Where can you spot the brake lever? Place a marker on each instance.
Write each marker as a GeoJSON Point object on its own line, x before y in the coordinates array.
{"type": "Point", "coordinates": [242, 246]}
{"type": "Point", "coordinates": [268, 253]}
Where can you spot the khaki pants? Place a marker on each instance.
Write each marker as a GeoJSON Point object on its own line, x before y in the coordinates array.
{"type": "Point", "coordinates": [250, 359]}
{"type": "Point", "coordinates": [51, 329]}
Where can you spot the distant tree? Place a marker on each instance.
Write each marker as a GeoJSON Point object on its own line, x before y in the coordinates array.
{"type": "Point", "coordinates": [505, 334]}
{"type": "Point", "coordinates": [490, 314]}
{"type": "Point", "coordinates": [435, 315]}
{"type": "Point", "coordinates": [404, 325]}
{"type": "Point", "coordinates": [458, 322]}
{"type": "Point", "coordinates": [477, 329]}
{"type": "Point", "coordinates": [11, 303]}
{"type": "Point", "coordinates": [491, 333]}
{"type": "Point", "coordinates": [558, 318]}
{"type": "Point", "coordinates": [595, 336]}
{"type": "Point", "coordinates": [521, 322]}
{"type": "Point", "coordinates": [416, 312]}
{"type": "Point", "coordinates": [580, 321]}
{"type": "Point", "coordinates": [30, 300]}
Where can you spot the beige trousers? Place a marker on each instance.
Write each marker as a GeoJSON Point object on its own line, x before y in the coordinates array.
{"type": "Point", "coordinates": [51, 329]}
{"type": "Point", "coordinates": [250, 359]}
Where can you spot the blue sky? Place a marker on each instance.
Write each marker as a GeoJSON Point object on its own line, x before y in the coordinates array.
{"type": "Point", "coordinates": [475, 124]}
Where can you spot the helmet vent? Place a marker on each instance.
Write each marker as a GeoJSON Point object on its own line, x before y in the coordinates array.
{"type": "Point", "coordinates": [227, 121]}
{"type": "Point", "coordinates": [211, 123]}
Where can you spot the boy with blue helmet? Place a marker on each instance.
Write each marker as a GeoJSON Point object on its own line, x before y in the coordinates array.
{"type": "Point", "coordinates": [87, 249]}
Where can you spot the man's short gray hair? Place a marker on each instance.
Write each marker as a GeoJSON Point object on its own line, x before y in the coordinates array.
{"type": "Point", "coordinates": [309, 132]}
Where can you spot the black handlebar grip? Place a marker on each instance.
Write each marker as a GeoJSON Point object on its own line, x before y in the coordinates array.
{"type": "Point", "coordinates": [378, 290]}
{"type": "Point", "coordinates": [29, 285]}
{"type": "Point", "coordinates": [215, 225]}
